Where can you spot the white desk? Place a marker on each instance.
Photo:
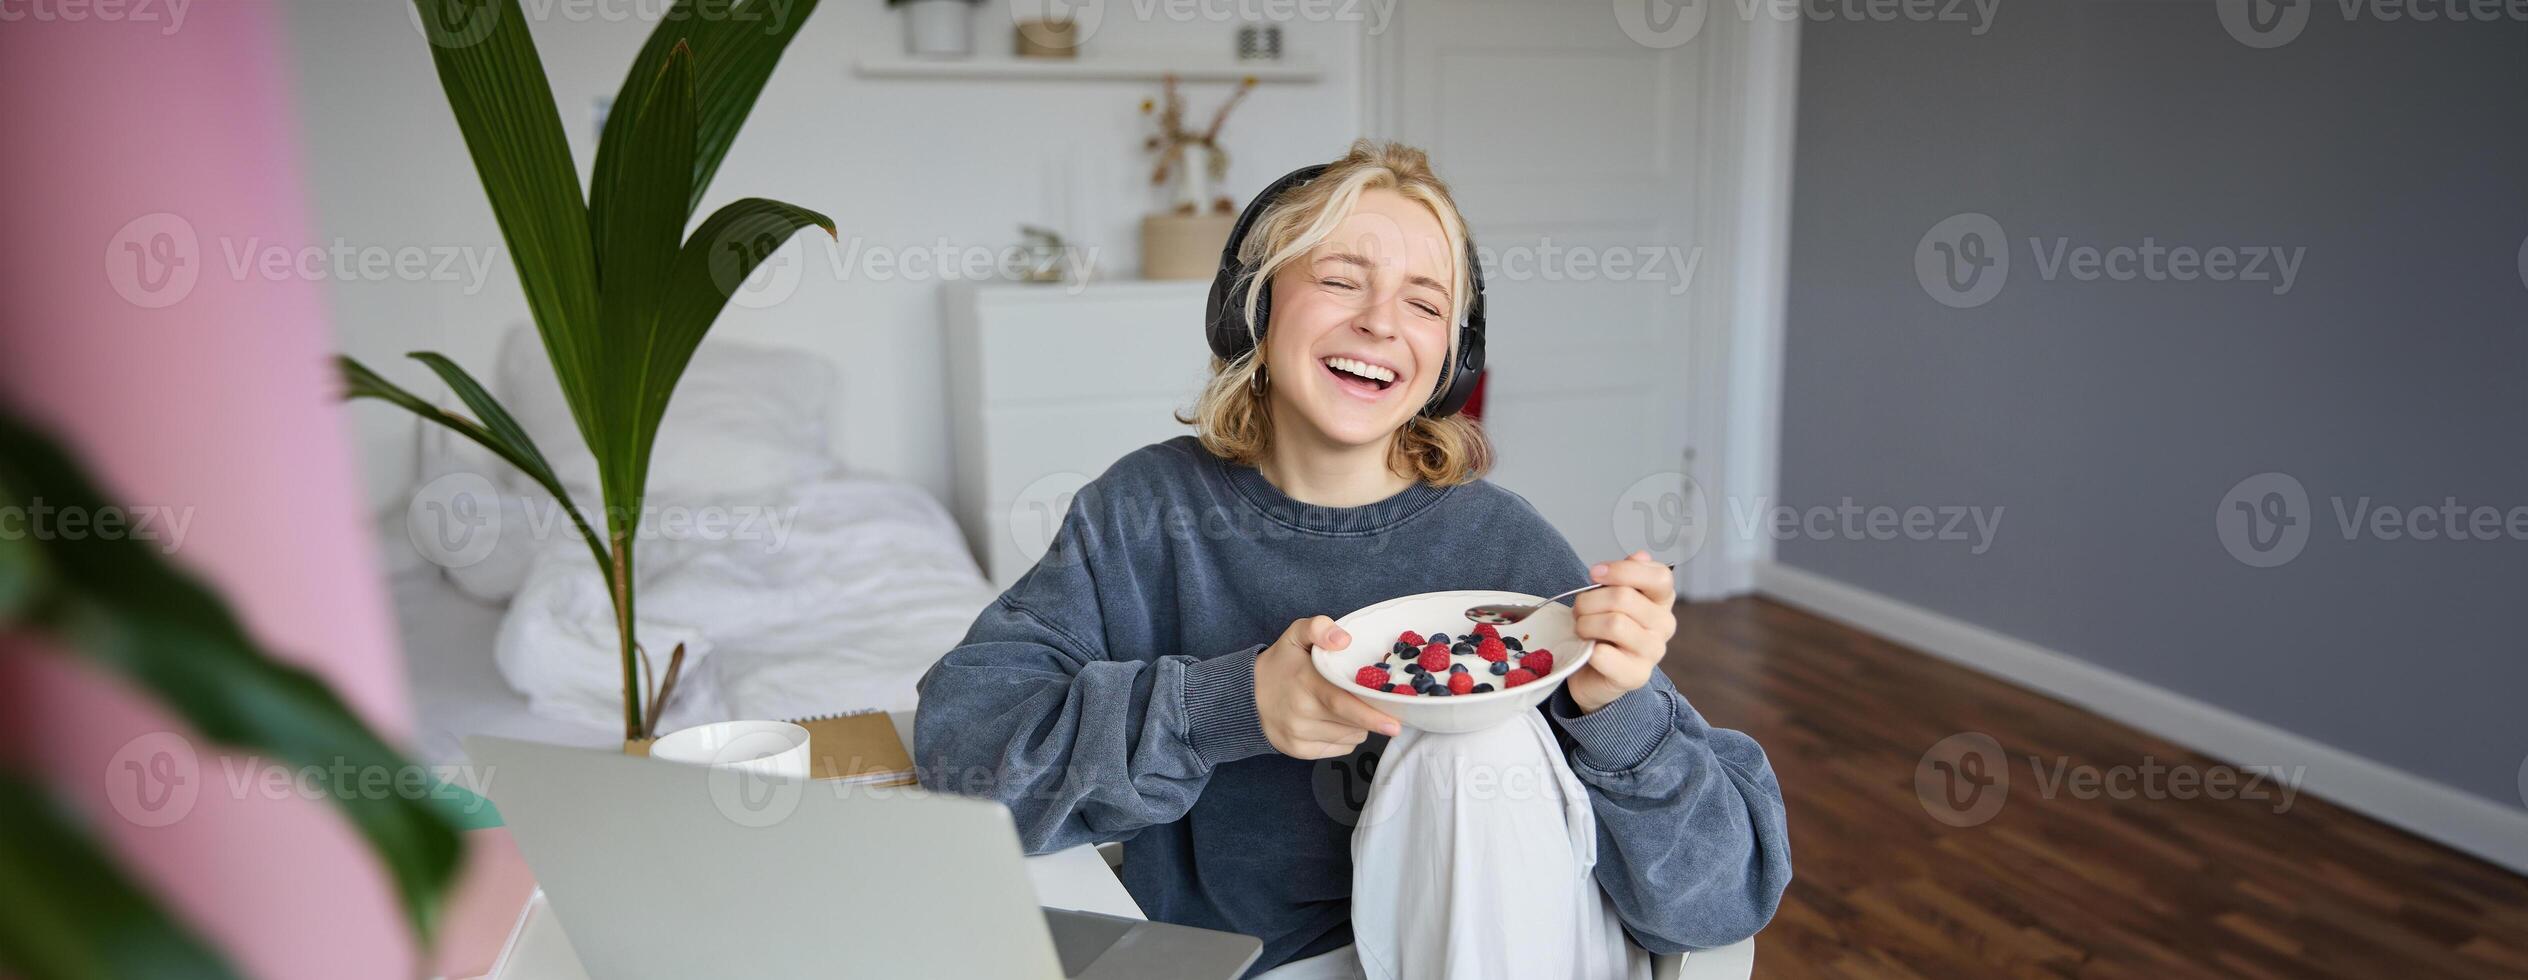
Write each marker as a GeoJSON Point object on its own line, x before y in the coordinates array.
{"type": "Point", "coordinates": [1078, 878]}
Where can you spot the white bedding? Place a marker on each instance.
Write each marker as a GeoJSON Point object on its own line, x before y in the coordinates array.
{"type": "Point", "coordinates": [798, 589]}
{"type": "Point", "coordinates": [851, 588]}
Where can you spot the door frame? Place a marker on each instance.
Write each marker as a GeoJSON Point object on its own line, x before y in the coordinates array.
{"type": "Point", "coordinates": [1733, 372]}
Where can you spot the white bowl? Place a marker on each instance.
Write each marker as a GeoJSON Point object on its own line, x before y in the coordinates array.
{"type": "Point", "coordinates": [1374, 630]}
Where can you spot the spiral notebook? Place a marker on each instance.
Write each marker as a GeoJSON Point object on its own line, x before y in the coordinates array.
{"type": "Point", "coordinates": [854, 747]}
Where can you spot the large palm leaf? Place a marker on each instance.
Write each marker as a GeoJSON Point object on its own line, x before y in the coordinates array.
{"type": "Point", "coordinates": [619, 294]}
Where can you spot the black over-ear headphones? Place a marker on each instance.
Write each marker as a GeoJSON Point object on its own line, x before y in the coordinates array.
{"type": "Point", "coordinates": [1226, 316]}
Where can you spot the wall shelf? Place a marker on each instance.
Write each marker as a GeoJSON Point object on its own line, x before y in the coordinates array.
{"type": "Point", "coordinates": [1126, 69]}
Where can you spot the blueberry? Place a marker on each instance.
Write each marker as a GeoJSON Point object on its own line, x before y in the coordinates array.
{"type": "Point", "coordinates": [1413, 668]}
{"type": "Point", "coordinates": [1438, 691]}
{"type": "Point", "coordinates": [1440, 638]}
{"type": "Point", "coordinates": [1457, 668]}
{"type": "Point", "coordinates": [1480, 688]}
{"type": "Point", "coordinates": [1463, 649]}
{"type": "Point", "coordinates": [1500, 667]}
{"type": "Point", "coordinates": [1510, 641]}
{"type": "Point", "coordinates": [1403, 649]}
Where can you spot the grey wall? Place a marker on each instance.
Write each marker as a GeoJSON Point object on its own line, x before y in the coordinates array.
{"type": "Point", "coordinates": [2110, 419]}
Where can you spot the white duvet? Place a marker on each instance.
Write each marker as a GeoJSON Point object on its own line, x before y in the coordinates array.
{"type": "Point", "coordinates": [797, 588]}
{"type": "Point", "coordinates": [830, 596]}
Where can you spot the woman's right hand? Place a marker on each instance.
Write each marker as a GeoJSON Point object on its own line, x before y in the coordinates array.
{"type": "Point", "coordinates": [1306, 716]}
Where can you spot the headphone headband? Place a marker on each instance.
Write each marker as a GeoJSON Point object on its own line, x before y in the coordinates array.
{"type": "Point", "coordinates": [1232, 337]}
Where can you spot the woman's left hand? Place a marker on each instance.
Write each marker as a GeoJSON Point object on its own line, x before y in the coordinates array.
{"type": "Point", "coordinates": [1631, 619]}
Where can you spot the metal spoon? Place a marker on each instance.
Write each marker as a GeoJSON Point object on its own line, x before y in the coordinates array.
{"type": "Point", "coordinates": [1506, 613]}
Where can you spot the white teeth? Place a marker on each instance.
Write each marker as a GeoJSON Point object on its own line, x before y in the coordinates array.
{"type": "Point", "coordinates": [1362, 368]}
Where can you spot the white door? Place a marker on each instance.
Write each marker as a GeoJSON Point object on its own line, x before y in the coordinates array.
{"type": "Point", "coordinates": [1569, 146]}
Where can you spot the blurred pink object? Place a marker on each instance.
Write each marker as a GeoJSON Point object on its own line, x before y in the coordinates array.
{"type": "Point", "coordinates": [140, 152]}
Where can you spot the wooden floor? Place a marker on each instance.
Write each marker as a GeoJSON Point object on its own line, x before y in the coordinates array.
{"type": "Point", "coordinates": [2060, 886]}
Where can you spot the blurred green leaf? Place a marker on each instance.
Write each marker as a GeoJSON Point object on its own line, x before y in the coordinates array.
{"type": "Point", "coordinates": [119, 603]}
{"type": "Point", "coordinates": [72, 915]}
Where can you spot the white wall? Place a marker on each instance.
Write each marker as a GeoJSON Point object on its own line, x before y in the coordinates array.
{"type": "Point", "coordinates": [899, 164]}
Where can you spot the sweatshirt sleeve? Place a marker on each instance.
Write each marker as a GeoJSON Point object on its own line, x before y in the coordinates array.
{"type": "Point", "coordinates": [1030, 709]}
{"type": "Point", "coordinates": [1692, 845]}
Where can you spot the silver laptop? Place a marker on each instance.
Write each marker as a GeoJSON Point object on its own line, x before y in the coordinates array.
{"type": "Point", "coordinates": [656, 869]}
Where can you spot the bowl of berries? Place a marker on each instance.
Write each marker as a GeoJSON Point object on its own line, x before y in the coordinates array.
{"type": "Point", "coordinates": [1421, 660]}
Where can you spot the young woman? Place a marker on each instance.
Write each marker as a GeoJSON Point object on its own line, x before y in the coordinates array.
{"type": "Point", "coordinates": [1149, 680]}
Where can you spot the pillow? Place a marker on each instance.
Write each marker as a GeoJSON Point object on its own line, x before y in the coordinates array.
{"type": "Point", "coordinates": [744, 419]}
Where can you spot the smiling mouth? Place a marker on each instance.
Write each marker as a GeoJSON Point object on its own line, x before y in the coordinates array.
{"type": "Point", "coordinates": [1358, 376]}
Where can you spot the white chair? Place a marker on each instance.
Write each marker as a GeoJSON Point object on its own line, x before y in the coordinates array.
{"type": "Point", "coordinates": [1736, 961]}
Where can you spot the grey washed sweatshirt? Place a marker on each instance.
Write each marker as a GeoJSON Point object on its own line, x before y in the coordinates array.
{"type": "Point", "coordinates": [1109, 695]}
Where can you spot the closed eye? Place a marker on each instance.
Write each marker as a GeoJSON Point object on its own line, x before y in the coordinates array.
{"type": "Point", "coordinates": [1336, 283]}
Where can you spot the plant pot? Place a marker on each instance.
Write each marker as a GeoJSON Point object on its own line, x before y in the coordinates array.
{"type": "Point", "coordinates": [1183, 246]}
{"type": "Point", "coordinates": [939, 28]}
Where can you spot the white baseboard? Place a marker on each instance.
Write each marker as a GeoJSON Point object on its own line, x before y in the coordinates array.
{"type": "Point", "coordinates": [2461, 820]}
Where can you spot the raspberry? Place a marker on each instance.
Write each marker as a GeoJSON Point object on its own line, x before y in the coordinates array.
{"type": "Point", "coordinates": [1434, 657]}
{"type": "Point", "coordinates": [1487, 631]}
{"type": "Point", "coordinates": [1517, 677]}
{"type": "Point", "coordinates": [1411, 637]}
{"type": "Point", "coordinates": [1399, 688]}
{"type": "Point", "coordinates": [1371, 676]}
{"type": "Point", "coordinates": [1492, 650]}
{"type": "Point", "coordinates": [1539, 661]}
{"type": "Point", "coordinates": [1460, 683]}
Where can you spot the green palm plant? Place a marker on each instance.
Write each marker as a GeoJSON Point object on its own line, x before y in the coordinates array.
{"type": "Point", "coordinates": [620, 295]}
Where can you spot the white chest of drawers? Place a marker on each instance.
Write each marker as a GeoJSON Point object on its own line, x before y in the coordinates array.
{"type": "Point", "coordinates": [1048, 386]}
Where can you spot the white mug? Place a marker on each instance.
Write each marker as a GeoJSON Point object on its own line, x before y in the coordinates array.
{"type": "Point", "coordinates": [768, 748]}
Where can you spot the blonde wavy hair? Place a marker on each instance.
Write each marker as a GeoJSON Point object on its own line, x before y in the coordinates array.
{"type": "Point", "coordinates": [1232, 416]}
